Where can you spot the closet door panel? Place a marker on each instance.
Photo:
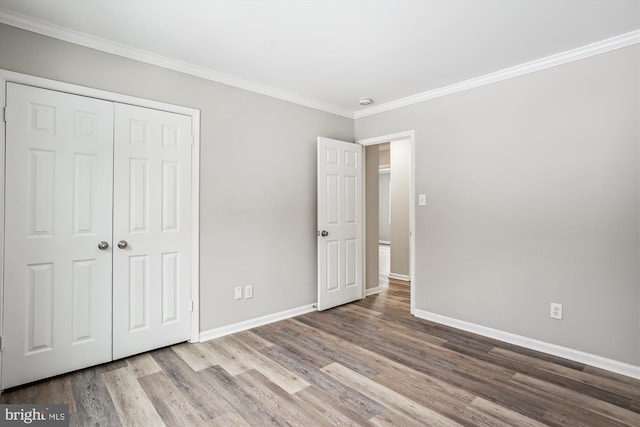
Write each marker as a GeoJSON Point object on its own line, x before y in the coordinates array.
{"type": "Point", "coordinates": [152, 214]}
{"type": "Point", "coordinates": [58, 200]}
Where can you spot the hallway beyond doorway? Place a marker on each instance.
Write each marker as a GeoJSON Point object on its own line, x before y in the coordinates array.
{"type": "Point", "coordinates": [384, 264]}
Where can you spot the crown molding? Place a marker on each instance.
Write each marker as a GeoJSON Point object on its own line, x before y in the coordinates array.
{"type": "Point", "coordinates": [104, 45]}
{"type": "Point", "coordinates": [603, 46]}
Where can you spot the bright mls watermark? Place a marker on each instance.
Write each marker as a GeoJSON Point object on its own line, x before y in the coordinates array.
{"type": "Point", "coordinates": [34, 415]}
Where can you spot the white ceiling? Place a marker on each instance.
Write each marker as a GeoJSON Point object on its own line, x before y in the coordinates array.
{"type": "Point", "coordinates": [328, 54]}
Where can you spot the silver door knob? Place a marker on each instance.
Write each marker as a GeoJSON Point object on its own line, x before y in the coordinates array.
{"type": "Point", "coordinates": [103, 245]}
{"type": "Point", "coordinates": [324, 233]}
{"type": "Point", "coordinates": [122, 244]}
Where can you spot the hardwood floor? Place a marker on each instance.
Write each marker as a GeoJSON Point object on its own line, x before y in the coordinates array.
{"type": "Point", "coordinates": [366, 363]}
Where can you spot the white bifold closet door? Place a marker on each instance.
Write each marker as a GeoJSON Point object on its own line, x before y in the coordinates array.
{"type": "Point", "coordinates": [57, 283]}
{"type": "Point", "coordinates": [152, 214]}
{"type": "Point", "coordinates": [83, 175]}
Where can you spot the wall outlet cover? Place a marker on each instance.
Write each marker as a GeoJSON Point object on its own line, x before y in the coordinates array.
{"type": "Point", "coordinates": [555, 311]}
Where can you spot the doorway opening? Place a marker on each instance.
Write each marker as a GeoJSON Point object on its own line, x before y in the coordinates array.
{"type": "Point", "coordinates": [384, 213]}
{"type": "Point", "coordinates": [389, 212]}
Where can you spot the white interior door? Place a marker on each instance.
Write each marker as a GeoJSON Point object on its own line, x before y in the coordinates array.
{"type": "Point", "coordinates": [340, 222]}
{"type": "Point", "coordinates": [57, 282]}
{"type": "Point", "coordinates": [152, 217]}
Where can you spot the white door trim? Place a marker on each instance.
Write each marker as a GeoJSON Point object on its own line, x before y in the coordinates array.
{"type": "Point", "coordinates": [411, 136]}
{"type": "Point", "coordinates": [10, 76]}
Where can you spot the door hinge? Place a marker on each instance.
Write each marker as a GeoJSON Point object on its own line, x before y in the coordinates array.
{"type": "Point", "coordinates": [191, 306]}
{"type": "Point", "coordinates": [4, 114]}
{"type": "Point", "coordinates": [1, 344]}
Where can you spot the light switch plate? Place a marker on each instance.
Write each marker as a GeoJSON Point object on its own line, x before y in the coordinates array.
{"type": "Point", "coordinates": [422, 200]}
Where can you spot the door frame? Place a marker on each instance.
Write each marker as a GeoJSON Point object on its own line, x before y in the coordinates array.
{"type": "Point", "coordinates": [376, 140]}
{"type": "Point", "coordinates": [14, 77]}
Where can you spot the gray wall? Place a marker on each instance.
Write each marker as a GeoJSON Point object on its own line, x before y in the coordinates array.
{"type": "Point", "coordinates": [400, 184]}
{"type": "Point", "coordinates": [258, 183]}
{"type": "Point", "coordinates": [371, 181]}
{"type": "Point", "coordinates": [385, 154]}
{"type": "Point", "coordinates": [384, 160]}
{"type": "Point", "coordinates": [533, 195]}
{"type": "Point", "coordinates": [533, 192]}
{"type": "Point", "coordinates": [384, 221]}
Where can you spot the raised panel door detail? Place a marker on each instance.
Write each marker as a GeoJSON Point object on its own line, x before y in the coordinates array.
{"type": "Point", "coordinates": [170, 284]}
{"type": "Point", "coordinates": [332, 195]}
{"type": "Point", "coordinates": [43, 118]}
{"type": "Point", "coordinates": [332, 157]}
{"type": "Point", "coordinates": [350, 159]}
{"type": "Point", "coordinates": [333, 266]}
{"type": "Point", "coordinates": [139, 195]}
{"type": "Point", "coordinates": [40, 308]}
{"type": "Point", "coordinates": [170, 137]}
{"type": "Point", "coordinates": [82, 304]}
{"type": "Point", "coordinates": [138, 292]}
{"type": "Point", "coordinates": [350, 200]}
{"type": "Point", "coordinates": [86, 126]}
{"type": "Point", "coordinates": [170, 196]}
{"type": "Point", "coordinates": [41, 203]}
{"type": "Point", "coordinates": [351, 257]}
{"type": "Point", "coordinates": [138, 132]}
{"type": "Point", "coordinates": [83, 193]}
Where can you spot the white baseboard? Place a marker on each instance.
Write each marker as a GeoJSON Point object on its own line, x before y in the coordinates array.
{"type": "Point", "coordinates": [532, 344]}
{"type": "Point", "coordinates": [402, 277]}
{"type": "Point", "coordinates": [254, 323]}
{"type": "Point", "coordinates": [372, 291]}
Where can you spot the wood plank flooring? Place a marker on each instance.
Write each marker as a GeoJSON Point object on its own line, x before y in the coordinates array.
{"type": "Point", "coordinates": [368, 363]}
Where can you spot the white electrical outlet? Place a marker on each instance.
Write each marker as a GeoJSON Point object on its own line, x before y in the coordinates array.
{"type": "Point", "coordinates": [248, 291]}
{"type": "Point", "coordinates": [556, 311]}
{"type": "Point", "coordinates": [238, 293]}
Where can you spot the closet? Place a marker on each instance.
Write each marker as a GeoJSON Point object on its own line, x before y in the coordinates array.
{"type": "Point", "coordinates": [98, 232]}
